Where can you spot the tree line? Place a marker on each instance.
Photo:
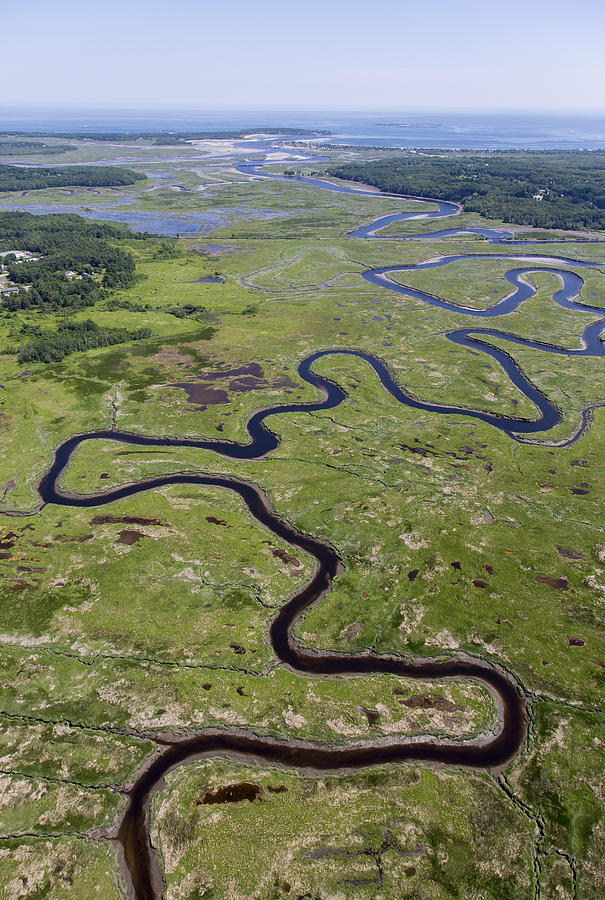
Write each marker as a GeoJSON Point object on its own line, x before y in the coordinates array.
{"type": "Point", "coordinates": [53, 345]}
{"type": "Point", "coordinates": [27, 148]}
{"type": "Point", "coordinates": [20, 178]}
{"type": "Point", "coordinates": [562, 189]}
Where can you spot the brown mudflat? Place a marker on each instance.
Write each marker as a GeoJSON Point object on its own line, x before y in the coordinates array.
{"type": "Point", "coordinates": [232, 793]}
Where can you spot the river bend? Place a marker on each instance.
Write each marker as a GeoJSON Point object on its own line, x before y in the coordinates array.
{"type": "Point", "coordinates": [491, 752]}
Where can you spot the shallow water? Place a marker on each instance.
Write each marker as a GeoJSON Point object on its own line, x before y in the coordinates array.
{"type": "Point", "coordinates": [492, 752]}
{"type": "Point", "coordinates": [390, 129]}
{"type": "Point", "coordinates": [170, 224]}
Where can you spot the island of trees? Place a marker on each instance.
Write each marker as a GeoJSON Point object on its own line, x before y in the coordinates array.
{"type": "Point", "coordinates": [27, 148]}
{"type": "Point", "coordinates": [19, 178]}
{"type": "Point", "coordinates": [54, 344]}
{"type": "Point", "coordinates": [559, 189]}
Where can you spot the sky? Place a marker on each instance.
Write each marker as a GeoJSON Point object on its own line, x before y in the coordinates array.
{"type": "Point", "coordinates": [317, 54]}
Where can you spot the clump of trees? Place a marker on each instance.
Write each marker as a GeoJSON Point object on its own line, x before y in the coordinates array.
{"type": "Point", "coordinates": [562, 189]}
{"type": "Point", "coordinates": [54, 292]}
{"type": "Point", "coordinates": [66, 243]}
{"type": "Point", "coordinates": [187, 311]}
{"type": "Point", "coordinates": [29, 148]}
{"type": "Point", "coordinates": [53, 345]}
{"type": "Point", "coordinates": [17, 178]}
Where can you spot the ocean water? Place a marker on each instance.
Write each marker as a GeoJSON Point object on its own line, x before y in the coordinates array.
{"type": "Point", "coordinates": [405, 129]}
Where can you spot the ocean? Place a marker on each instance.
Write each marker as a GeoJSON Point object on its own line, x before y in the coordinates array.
{"type": "Point", "coordinates": [405, 129]}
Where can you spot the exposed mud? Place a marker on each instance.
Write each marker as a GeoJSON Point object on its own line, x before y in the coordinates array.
{"type": "Point", "coordinates": [239, 381]}
{"type": "Point", "coordinates": [108, 519]}
{"type": "Point", "coordinates": [129, 537]}
{"type": "Point", "coordinates": [232, 793]}
{"type": "Point", "coordinates": [561, 583]}
{"type": "Point", "coordinates": [488, 752]}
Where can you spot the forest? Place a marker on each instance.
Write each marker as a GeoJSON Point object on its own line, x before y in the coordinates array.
{"type": "Point", "coordinates": [19, 178]}
{"type": "Point", "coordinates": [65, 243]}
{"type": "Point", "coordinates": [563, 189]}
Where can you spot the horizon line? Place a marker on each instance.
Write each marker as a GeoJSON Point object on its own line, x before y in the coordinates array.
{"type": "Point", "coordinates": [133, 106]}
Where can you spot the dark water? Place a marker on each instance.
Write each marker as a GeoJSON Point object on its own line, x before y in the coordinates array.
{"type": "Point", "coordinates": [134, 831]}
{"type": "Point", "coordinates": [372, 230]}
{"type": "Point", "coordinates": [390, 129]}
{"type": "Point", "coordinates": [494, 752]}
{"type": "Point", "coordinates": [572, 284]}
{"type": "Point", "coordinates": [142, 863]}
{"type": "Point", "coordinates": [146, 879]}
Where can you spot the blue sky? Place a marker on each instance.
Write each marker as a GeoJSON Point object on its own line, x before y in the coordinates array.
{"type": "Point", "coordinates": [315, 54]}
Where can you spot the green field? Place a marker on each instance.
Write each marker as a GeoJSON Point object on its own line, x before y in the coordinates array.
{"type": "Point", "coordinates": [147, 619]}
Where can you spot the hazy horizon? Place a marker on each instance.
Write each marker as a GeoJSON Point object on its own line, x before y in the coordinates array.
{"type": "Point", "coordinates": [346, 56]}
{"type": "Point", "coordinates": [371, 128]}
{"type": "Point", "coordinates": [117, 107]}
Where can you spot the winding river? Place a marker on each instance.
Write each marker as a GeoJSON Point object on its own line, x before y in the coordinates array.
{"type": "Point", "coordinates": [490, 752]}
